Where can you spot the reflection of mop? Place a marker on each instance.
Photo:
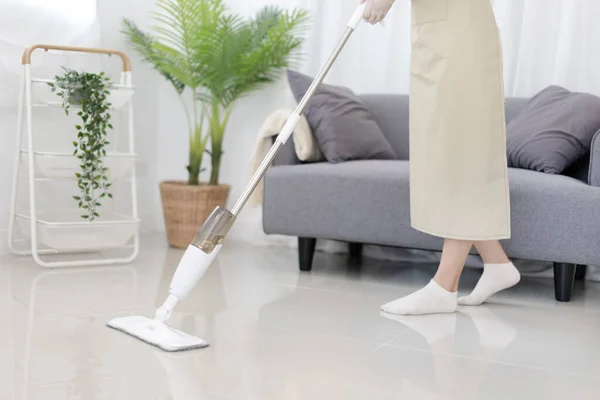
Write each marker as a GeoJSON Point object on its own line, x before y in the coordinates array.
{"type": "Point", "coordinates": [208, 241]}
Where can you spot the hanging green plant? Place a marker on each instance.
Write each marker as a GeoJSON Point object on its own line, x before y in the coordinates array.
{"type": "Point", "coordinates": [90, 91]}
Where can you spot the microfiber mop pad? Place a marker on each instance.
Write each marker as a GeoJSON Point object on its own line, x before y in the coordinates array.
{"type": "Point", "coordinates": [157, 333]}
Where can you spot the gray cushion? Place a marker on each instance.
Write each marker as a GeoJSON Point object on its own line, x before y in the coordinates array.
{"type": "Point", "coordinates": [514, 106]}
{"type": "Point", "coordinates": [391, 112]}
{"type": "Point", "coordinates": [554, 131]}
{"type": "Point", "coordinates": [343, 126]}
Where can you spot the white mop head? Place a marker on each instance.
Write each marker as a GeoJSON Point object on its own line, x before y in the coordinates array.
{"type": "Point", "coordinates": [157, 334]}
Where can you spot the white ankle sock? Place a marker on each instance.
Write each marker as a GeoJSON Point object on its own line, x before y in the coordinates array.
{"type": "Point", "coordinates": [496, 277]}
{"type": "Point", "coordinates": [432, 299]}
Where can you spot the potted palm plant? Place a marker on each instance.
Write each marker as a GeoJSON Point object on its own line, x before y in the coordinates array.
{"type": "Point", "coordinates": [212, 57]}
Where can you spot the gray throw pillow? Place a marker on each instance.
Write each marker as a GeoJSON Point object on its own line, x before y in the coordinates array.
{"type": "Point", "coordinates": [554, 131]}
{"type": "Point", "coordinates": [343, 126]}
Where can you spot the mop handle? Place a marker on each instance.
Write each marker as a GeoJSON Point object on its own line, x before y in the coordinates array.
{"type": "Point", "coordinates": [292, 121]}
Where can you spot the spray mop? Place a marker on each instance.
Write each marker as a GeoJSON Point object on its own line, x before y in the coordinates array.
{"type": "Point", "coordinates": [208, 241]}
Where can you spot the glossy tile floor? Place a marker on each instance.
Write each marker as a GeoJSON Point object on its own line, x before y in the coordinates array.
{"type": "Point", "coordinates": [279, 334]}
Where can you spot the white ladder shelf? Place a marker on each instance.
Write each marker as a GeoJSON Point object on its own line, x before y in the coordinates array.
{"type": "Point", "coordinates": [52, 234]}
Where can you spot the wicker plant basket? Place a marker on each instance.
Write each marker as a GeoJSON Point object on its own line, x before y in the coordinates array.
{"type": "Point", "coordinates": [186, 207]}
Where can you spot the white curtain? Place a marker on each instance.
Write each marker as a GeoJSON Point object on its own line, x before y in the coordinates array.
{"type": "Point", "coordinates": [544, 42]}
{"type": "Point", "coordinates": [549, 42]}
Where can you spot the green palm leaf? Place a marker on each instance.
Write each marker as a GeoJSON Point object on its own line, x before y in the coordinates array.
{"type": "Point", "coordinates": [146, 46]}
{"type": "Point", "coordinates": [220, 57]}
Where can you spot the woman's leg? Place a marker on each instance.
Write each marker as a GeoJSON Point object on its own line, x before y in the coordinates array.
{"type": "Point", "coordinates": [491, 252]}
{"type": "Point", "coordinates": [498, 273]}
{"type": "Point", "coordinates": [454, 256]}
{"type": "Point", "coordinates": [439, 296]}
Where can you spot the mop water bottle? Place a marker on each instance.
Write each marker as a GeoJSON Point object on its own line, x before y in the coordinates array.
{"type": "Point", "coordinates": [197, 258]}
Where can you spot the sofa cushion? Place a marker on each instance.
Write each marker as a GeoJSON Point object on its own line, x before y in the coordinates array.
{"type": "Point", "coordinates": [343, 126]}
{"type": "Point", "coordinates": [554, 132]}
{"type": "Point", "coordinates": [365, 201]}
{"type": "Point", "coordinates": [554, 217]}
{"type": "Point", "coordinates": [391, 112]}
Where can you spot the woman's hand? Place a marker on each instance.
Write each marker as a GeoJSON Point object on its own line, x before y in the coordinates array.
{"type": "Point", "coordinates": [376, 10]}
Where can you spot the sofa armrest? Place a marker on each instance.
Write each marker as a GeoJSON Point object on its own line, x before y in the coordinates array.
{"type": "Point", "coordinates": [287, 154]}
{"type": "Point", "coordinates": [594, 171]}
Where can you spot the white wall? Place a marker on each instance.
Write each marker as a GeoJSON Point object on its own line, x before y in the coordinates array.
{"type": "Point", "coordinates": [8, 118]}
{"type": "Point", "coordinates": [7, 127]}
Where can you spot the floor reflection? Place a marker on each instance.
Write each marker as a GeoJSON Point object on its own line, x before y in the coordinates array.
{"type": "Point", "coordinates": [278, 334]}
{"type": "Point", "coordinates": [58, 351]}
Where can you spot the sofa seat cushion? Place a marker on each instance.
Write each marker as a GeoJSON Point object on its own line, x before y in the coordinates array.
{"type": "Point", "coordinates": [553, 216]}
{"type": "Point", "coordinates": [365, 201]}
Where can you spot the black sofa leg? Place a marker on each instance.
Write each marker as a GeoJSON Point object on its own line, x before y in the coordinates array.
{"type": "Point", "coordinates": [355, 250]}
{"type": "Point", "coordinates": [564, 279]}
{"type": "Point", "coordinates": [306, 252]}
{"type": "Point", "coordinates": [580, 272]}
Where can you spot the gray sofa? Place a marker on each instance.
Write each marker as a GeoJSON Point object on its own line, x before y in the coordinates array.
{"type": "Point", "coordinates": [555, 218]}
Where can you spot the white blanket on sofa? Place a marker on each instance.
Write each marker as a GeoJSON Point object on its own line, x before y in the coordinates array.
{"type": "Point", "coordinates": [304, 144]}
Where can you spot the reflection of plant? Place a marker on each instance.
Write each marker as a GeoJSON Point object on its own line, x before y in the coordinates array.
{"type": "Point", "coordinates": [91, 92]}
{"type": "Point", "coordinates": [220, 57]}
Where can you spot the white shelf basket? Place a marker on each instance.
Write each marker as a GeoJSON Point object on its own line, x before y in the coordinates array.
{"type": "Point", "coordinates": [52, 165]}
{"type": "Point", "coordinates": [58, 231]}
{"type": "Point", "coordinates": [65, 231]}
